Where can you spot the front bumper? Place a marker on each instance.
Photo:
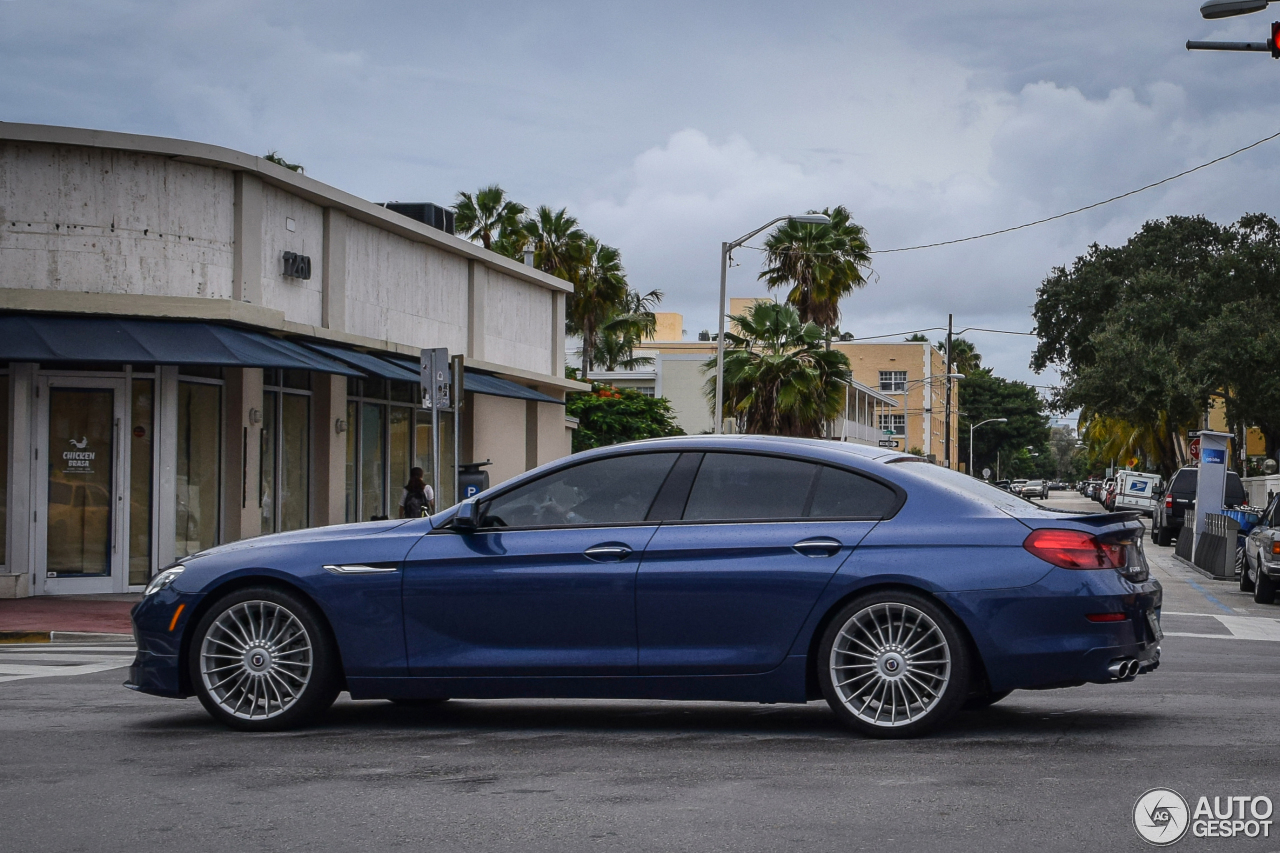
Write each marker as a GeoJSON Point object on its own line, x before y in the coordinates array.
{"type": "Point", "coordinates": [160, 623]}
{"type": "Point", "coordinates": [1039, 637]}
{"type": "Point", "coordinates": [1270, 569]}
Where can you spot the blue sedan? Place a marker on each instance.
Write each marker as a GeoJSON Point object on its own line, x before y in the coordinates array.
{"type": "Point", "coordinates": [728, 568]}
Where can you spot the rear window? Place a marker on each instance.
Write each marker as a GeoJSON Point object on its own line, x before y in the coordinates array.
{"type": "Point", "coordinates": [1183, 486]}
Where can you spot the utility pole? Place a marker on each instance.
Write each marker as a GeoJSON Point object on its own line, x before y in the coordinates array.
{"type": "Point", "coordinates": [946, 429]}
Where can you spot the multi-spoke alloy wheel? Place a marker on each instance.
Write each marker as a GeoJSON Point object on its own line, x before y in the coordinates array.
{"type": "Point", "coordinates": [256, 660]}
{"type": "Point", "coordinates": [894, 665]}
{"type": "Point", "coordinates": [260, 660]}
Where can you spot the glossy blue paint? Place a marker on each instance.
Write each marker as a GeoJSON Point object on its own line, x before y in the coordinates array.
{"type": "Point", "coordinates": [523, 602]}
{"type": "Point", "coordinates": [721, 598]}
{"type": "Point", "coordinates": [690, 610]}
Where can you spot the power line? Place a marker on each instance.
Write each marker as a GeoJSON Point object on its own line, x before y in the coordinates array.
{"type": "Point", "coordinates": [1078, 209]}
{"type": "Point", "coordinates": [938, 329]}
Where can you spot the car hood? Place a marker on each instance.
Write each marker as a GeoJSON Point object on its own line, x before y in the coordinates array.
{"type": "Point", "coordinates": [296, 537]}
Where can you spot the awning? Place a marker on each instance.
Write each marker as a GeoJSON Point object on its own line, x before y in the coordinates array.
{"type": "Point", "coordinates": [368, 363]}
{"type": "Point", "coordinates": [495, 386]}
{"type": "Point", "coordinates": [55, 339]}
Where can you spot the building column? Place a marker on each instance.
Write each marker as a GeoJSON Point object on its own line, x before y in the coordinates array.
{"type": "Point", "coordinates": [557, 334]}
{"type": "Point", "coordinates": [329, 454]}
{"type": "Point", "coordinates": [246, 265]}
{"type": "Point", "coordinates": [20, 559]}
{"type": "Point", "coordinates": [477, 292]}
{"type": "Point", "coordinates": [167, 435]}
{"type": "Point", "coordinates": [242, 461]}
{"type": "Point", "coordinates": [334, 263]}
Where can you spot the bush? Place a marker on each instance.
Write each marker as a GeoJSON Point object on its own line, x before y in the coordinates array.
{"type": "Point", "coordinates": [609, 415]}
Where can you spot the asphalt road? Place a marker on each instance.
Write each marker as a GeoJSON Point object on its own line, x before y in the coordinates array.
{"type": "Point", "coordinates": [87, 765]}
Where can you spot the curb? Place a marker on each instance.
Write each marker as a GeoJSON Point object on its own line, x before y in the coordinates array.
{"type": "Point", "coordinates": [1207, 575]}
{"type": "Point", "coordinates": [10, 637]}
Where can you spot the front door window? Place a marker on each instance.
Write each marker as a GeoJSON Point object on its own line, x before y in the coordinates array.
{"type": "Point", "coordinates": [81, 482]}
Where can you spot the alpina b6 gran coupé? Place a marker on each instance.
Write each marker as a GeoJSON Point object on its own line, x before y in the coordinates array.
{"type": "Point", "coordinates": [736, 568]}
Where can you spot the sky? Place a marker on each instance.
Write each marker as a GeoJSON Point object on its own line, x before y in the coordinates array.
{"type": "Point", "coordinates": [668, 128]}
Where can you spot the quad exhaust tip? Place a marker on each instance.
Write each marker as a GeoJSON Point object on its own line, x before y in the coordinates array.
{"type": "Point", "coordinates": [1125, 668]}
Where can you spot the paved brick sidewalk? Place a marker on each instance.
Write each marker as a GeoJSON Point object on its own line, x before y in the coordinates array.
{"type": "Point", "coordinates": [94, 614]}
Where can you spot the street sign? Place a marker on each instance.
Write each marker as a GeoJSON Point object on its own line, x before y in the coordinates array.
{"type": "Point", "coordinates": [888, 442]}
{"type": "Point", "coordinates": [986, 473]}
{"type": "Point", "coordinates": [1194, 449]}
{"type": "Point", "coordinates": [436, 378]}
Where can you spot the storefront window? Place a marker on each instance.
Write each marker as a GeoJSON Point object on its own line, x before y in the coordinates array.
{"type": "Point", "coordinates": [401, 443]}
{"type": "Point", "coordinates": [295, 461]}
{"type": "Point", "coordinates": [199, 463]}
{"type": "Point", "coordinates": [4, 468]}
{"type": "Point", "coordinates": [267, 456]}
{"type": "Point", "coordinates": [141, 447]}
{"type": "Point", "coordinates": [81, 480]}
{"type": "Point", "coordinates": [353, 496]}
{"type": "Point", "coordinates": [373, 471]}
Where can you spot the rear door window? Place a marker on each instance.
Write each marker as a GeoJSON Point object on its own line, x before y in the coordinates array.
{"type": "Point", "coordinates": [843, 494]}
{"type": "Point", "coordinates": [745, 487]}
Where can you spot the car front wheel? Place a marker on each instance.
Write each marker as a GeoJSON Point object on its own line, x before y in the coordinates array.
{"type": "Point", "coordinates": [894, 664]}
{"type": "Point", "coordinates": [261, 659]}
{"type": "Point", "coordinates": [1246, 576]}
{"type": "Point", "coordinates": [1264, 588]}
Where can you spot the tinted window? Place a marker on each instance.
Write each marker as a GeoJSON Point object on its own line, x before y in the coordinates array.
{"type": "Point", "coordinates": [738, 486]}
{"type": "Point", "coordinates": [842, 494]}
{"type": "Point", "coordinates": [616, 490]}
{"type": "Point", "coordinates": [1235, 495]}
{"type": "Point", "coordinates": [1183, 486]}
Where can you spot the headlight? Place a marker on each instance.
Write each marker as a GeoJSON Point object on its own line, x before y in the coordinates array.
{"type": "Point", "coordinates": [163, 580]}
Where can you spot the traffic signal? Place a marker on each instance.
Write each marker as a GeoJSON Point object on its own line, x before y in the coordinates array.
{"type": "Point", "coordinates": [1274, 44]}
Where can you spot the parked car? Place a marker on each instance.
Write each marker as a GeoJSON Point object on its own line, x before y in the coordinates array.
{"type": "Point", "coordinates": [1180, 495]}
{"type": "Point", "coordinates": [1260, 573]}
{"type": "Point", "coordinates": [1035, 489]}
{"type": "Point", "coordinates": [1017, 486]}
{"type": "Point", "coordinates": [1002, 484]}
{"type": "Point", "coordinates": [708, 568]}
{"type": "Point", "coordinates": [1101, 496]}
{"type": "Point", "coordinates": [1109, 496]}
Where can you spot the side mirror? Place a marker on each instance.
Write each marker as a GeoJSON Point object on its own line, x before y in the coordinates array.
{"type": "Point", "coordinates": [467, 518]}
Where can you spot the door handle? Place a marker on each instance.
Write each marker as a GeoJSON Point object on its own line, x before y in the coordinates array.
{"type": "Point", "coordinates": [822, 546]}
{"type": "Point", "coordinates": [607, 553]}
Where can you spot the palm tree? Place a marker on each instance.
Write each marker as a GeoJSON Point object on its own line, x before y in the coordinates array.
{"type": "Point", "coordinates": [486, 214]}
{"type": "Point", "coordinates": [820, 264]}
{"type": "Point", "coordinates": [558, 242]}
{"type": "Point", "coordinates": [599, 288]}
{"type": "Point", "coordinates": [619, 334]}
{"type": "Point", "coordinates": [779, 379]}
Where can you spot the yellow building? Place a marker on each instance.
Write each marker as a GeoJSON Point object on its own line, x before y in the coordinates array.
{"type": "Point", "coordinates": [899, 391]}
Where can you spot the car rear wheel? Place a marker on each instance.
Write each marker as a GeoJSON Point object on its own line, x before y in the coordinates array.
{"type": "Point", "coordinates": [261, 659]}
{"type": "Point", "coordinates": [1264, 588]}
{"type": "Point", "coordinates": [894, 664]}
{"type": "Point", "coordinates": [1162, 536]}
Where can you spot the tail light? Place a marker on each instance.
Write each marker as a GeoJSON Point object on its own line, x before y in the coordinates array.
{"type": "Point", "coordinates": [1168, 501]}
{"type": "Point", "coordinates": [1074, 549]}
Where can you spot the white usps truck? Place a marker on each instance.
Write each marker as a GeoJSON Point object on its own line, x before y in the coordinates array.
{"type": "Point", "coordinates": [1135, 490]}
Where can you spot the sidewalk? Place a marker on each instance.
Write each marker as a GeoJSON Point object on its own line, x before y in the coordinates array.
{"type": "Point", "coordinates": [26, 619]}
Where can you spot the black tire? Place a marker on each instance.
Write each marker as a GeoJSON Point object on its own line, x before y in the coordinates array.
{"type": "Point", "coordinates": [935, 687]}
{"type": "Point", "coordinates": [1264, 588]}
{"type": "Point", "coordinates": [297, 662]}
{"type": "Point", "coordinates": [1246, 577]}
{"type": "Point", "coordinates": [984, 700]}
{"type": "Point", "coordinates": [1163, 536]}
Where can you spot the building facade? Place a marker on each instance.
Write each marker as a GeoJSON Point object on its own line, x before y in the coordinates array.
{"type": "Point", "coordinates": [201, 346]}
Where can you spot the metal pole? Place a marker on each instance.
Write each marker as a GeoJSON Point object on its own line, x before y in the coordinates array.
{"type": "Point", "coordinates": [970, 450]}
{"type": "Point", "coordinates": [946, 435]}
{"type": "Point", "coordinates": [1258, 46]}
{"type": "Point", "coordinates": [724, 272]}
{"type": "Point", "coordinates": [435, 432]}
{"type": "Point", "coordinates": [457, 421]}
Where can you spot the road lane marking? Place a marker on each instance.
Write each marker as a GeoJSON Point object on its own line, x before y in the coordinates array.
{"type": "Point", "coordinates": [1241, 627]}
{"type": "Point", "coordinates": [46, 660]}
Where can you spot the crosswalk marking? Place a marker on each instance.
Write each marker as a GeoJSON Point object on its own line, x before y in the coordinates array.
{"type": "Point", "coordinates": [45, 660]}
{"type": "Point", "coordinates": [1241, 627]}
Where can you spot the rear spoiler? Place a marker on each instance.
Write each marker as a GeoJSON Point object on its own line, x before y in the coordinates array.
{"type": "Point", "coordinates": [1104, 519]}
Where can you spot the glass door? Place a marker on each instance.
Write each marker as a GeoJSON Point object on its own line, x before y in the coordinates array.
{"type": "Point", "coordinates": [80, 511]}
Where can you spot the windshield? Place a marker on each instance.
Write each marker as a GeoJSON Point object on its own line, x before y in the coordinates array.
{"type": "Point", "coordinates": [1008, 502]}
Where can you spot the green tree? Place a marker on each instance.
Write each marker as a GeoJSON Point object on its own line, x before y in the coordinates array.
{"type": "Point", "coordinates": [965, 357]}
{"type": "Point", "coordinates": [819, 264]}
{"type": "Point", "coordinates": [599, 293]}
{"type": "Point", "coordinates": [487, 214]}
{"type": "Point", "coordinates": [610, 415]}
{"type": "Point", "coordinates": [984, 395]}
{"type": "Point", "coordinates": [1147, 332]}
{"type": "Point", "coordinates": [274, 157]}
{"type": "Point", "coordinates": [625, 329]}
{"type": "Point", "coordinates": [558, 242]}
{"type": "Point", "coordinates": [779, 379]}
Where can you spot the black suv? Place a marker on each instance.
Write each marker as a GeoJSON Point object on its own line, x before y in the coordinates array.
{"type": "Point", "coordinates": [1180, 495]}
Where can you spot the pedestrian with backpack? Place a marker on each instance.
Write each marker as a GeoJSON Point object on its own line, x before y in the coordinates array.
{"type": "Point", "coordinates": [418, 498]}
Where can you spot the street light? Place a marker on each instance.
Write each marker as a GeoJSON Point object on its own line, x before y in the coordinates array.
{"type": "Point", "coordinates": [725, 250]}
{"type": "Point", "coordinates": [972, 427]}
{"type": "Point", "coordinates": [1230, 8]}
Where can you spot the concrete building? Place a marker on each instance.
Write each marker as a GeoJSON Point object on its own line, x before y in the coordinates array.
{"type": "Point", "coordinates": [200, 346]}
